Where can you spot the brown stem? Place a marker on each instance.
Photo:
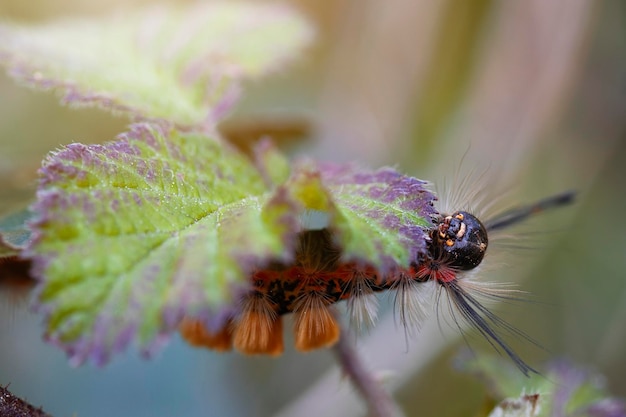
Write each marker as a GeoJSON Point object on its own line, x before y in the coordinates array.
{"type": "Point", "coordinates": [378, 400]}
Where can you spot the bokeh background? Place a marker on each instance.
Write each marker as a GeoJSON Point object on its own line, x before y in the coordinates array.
{"type": "Point", "coordinates": [532, 92]}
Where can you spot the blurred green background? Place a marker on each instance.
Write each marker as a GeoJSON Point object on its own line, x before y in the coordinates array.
{"type": "Point", "coordinates": [534, 92]}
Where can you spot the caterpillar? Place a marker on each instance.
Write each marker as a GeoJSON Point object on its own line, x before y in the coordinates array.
{"type": "Point", "coordinates": [318, 279]}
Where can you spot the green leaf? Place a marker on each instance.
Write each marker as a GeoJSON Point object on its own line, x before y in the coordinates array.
{"type": "Point", "coordinates": [379, 217]}
{"type": "Point", "coordinates": [176, 64]}
{"type": "Point", "coordinates": [131, 236]}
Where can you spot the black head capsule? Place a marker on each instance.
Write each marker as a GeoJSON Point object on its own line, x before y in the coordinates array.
{"type": "Point", "coordinates": [461, 239]}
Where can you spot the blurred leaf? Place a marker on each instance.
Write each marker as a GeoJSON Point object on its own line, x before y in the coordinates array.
{"type": "Point", "coordinates": [175, 64]}
{"type": "Point", "coordinates": [271, 163]}
{"type": "Point", "coordinates": [565, 389]}
{"type": "Point", "coordinates": [132, 235]}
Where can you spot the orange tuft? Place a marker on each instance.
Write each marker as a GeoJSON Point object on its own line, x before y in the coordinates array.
{"type": "Point", "coordinates": [315, 325]}
{"type": "Point", "coordinates": [258, 330]}
{"type": "Point", "coordinates": [194, 332]}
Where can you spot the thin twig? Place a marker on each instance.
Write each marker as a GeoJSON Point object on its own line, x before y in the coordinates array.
{"type": "Point", "coordinates": [379, 402]}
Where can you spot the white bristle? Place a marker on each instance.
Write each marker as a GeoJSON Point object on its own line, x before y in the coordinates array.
{"type": "Point", "coordinates": [413, 301]}
{"type": "Point", "coordinates": [363, 309]}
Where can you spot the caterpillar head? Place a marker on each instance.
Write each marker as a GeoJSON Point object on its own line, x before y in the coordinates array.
{"type": "Point", "coordinates": [461, 239]}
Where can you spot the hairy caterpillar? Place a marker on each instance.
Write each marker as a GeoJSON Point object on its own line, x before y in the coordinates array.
{"type": "Point", "coordinates": [318, 279]}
